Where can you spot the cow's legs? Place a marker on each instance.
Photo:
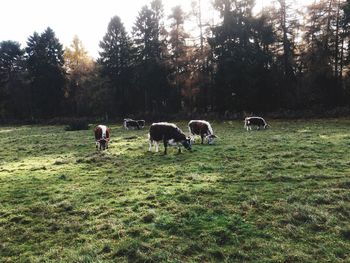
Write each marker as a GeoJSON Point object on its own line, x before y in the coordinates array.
{"type": "Point", "coordinates": [165, 142]}
{"type": "Point", "coordinates": [156, 144]}
{"type": "Point", "coordinates": [96, 145]}
{"type": "Point", "coordinates": [150, 146]}
{"type": "Point", "coordinates": [202, 137]}
{"type": "Point", "coordinates": [179, 148]}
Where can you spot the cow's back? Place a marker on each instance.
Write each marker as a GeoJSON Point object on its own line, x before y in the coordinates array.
{"type": "Point", "coordinates": [257, 121]}
{"type": "Point", "coordinates": [164, 131]}
{"type": "Point", "coordinates": [102, 132]}
{"type": "Point", "coordinates": [198, 127]}
{"type": "Point", "coordinates": [98, 133]}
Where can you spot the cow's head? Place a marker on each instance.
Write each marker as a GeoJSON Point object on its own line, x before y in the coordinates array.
{"type": "Point", "coordinates": [187, 143]}
{"type": "Point", "coordinates": [103, 144]}
{"type": "Point", "coordinates": [211, 138]}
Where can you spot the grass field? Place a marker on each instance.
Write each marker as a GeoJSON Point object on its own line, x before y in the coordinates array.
{"type": "Point", "coordinates": [280, 195]}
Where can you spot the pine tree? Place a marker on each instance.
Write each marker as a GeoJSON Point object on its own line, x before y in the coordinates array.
{"type": "Point", "coordinates": [115, 61]}
{"type": "Point", "coordinates": [47, 76]}
{"type": "Point", "coordinates": [150, 60]}
{"type": "Point", "coordinates": [242, 59]}
{"type": "Point", "coordinates": [13, 90]}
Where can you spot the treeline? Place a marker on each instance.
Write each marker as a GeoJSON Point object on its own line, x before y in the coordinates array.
{"type": "Point", "coordinates": [281, 58]}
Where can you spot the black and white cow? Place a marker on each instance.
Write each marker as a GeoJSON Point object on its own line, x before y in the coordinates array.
{"type": "Point", "coordinates": [131, 124]}
{"type": "Point", "coordinates": [203, 129]}
{"type": "Point", "coordinates": [134, 124]}
{"type": "Point", "coordinates": [170, 134]}
{"type": "Point", "coordinates": [102, 136]}
{"type": "Point", "coordinates": [254, 121]}
{"type": "Point", "coordinates": [141, 123]}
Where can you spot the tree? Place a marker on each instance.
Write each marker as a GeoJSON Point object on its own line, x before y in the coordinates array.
{"type": "Point", "coordinates": [286, 36]}
{"type": "Point", "coordinates": [47, 76]}
{"type": "Point", "coordinates": [151, 70]}
{"type": "Point", "coordinates": [177, 41]}
{"type": "Point", "coordinates": [242, 58]}
{"type": "Point", "coordinates": [79, 66]}
{"type": "Point", "coordinates": [11, 59]}
{"type": "Point", "coordinates": [284, 25]}
{"type": "Point", "coordinates": [197, 12]}
{"type": "Point", "coordinates": [345, 48]}
{"type": "Point", "coordinates": [115, 61]}
{"type": "Point", "coordinates": [321, 54]}
{"type": "Point", "coordinates": [13, 90]}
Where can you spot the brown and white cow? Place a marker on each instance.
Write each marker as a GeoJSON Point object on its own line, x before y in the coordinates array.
{"type": "Point", "coordinates": [170, 134]}
{"type": "Point", "coordinates": [255, 121]}
{"type": "Point", "coordinates": [102, 136]}
{"type": "Point", "coordinates": [203, 129]}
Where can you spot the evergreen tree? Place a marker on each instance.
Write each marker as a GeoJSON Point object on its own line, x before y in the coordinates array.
{"type": "Point", "coordinates": [321, 55]}
{"type": "Point", "coordinates": [47, 76]}
{"type": "Point", "coordinates": [242, 59]}
{"type": "Point", "coordinates": [115, 61]}
{"type": "Point", "coordinates": [13, 90]}
{"type": "Point", "coordinates": [150, 60]}
{"type": "Point", "coordinates": [178, 49]}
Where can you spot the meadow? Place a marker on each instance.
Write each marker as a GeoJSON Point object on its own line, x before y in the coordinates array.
{"type": "Point", "coordinates": [277, 195]}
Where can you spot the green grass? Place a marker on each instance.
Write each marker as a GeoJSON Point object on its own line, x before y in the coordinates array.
{"type": "Point", "coordinates": [280, 195]}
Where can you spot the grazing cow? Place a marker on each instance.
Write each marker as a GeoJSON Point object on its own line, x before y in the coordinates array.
{"type": "Point", "coordinates": [130, 123]}
{"type": "Point", "coordinates": [170, 134]}
{"type": "Point", "coordinates": [254, 121]}
{"type": "Point", "coordinates": [141, 123]}
{"type": "Point", "coordinates": [135, 124]}
{"type": "Point", "coordinates": [202, 128]}
{"type": "Point", "coordinates": [102, 136]}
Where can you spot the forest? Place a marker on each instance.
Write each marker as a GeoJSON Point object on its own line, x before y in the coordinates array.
{"type": "Point", "coordinates": [283, 58]}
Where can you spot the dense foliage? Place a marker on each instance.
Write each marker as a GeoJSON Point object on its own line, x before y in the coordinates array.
{"type": "Point", "coordinates": [280, 58]}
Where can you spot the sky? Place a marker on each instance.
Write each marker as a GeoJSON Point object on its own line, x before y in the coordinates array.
{"type": "Point", "coordinates": [88, 19]}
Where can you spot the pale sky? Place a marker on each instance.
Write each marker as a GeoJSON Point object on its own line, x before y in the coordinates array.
{"type": "Point", "coordinates": [88, 19]}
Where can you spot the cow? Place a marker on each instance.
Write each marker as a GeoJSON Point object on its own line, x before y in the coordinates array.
{"type": "Point", "coordinates": [102, 136]}
{"type": "Point", "coordinates": [130, 123]}
{"type": "Point", "coordinates": [203, 129]}
{"type": "Point", "coordinates": [135, 124]}
{"type": "Point", "coordinates": [141, 123]}
{"type": "Point", "coordinates": [254, 121]}
{"type": "Point", "coordinates": [170, 134]}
